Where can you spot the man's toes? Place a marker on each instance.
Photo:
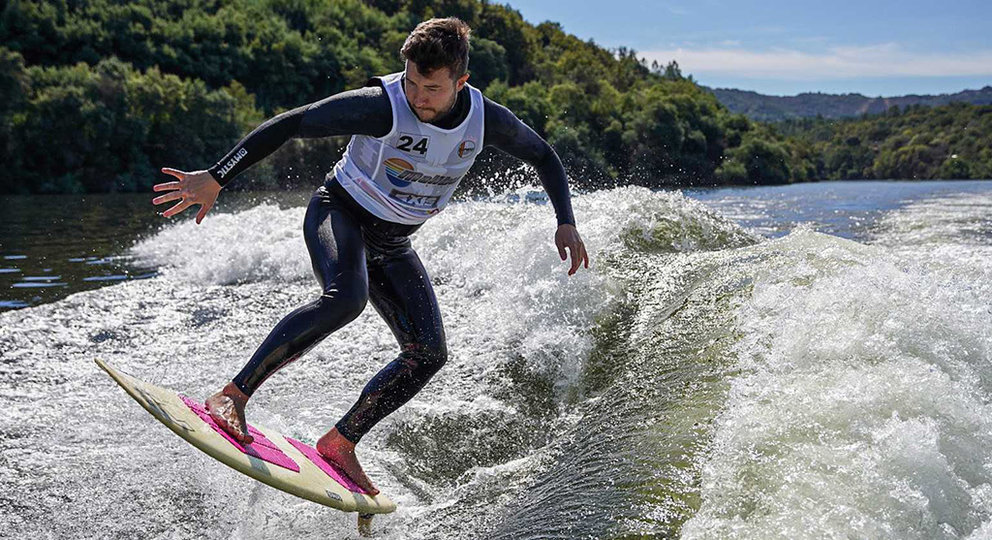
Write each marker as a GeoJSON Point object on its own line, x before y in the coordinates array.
{"type": "Point", "coordinates": [366, 486]}
{"type": "Point", "coordinates": [240, 434]}
{"type": "Point", "coordinates": [235, 432]}
{"type": "Point", "coordinates": [365, 483]}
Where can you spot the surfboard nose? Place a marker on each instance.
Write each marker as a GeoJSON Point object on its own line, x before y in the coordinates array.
{"type": "Point", "coordinates": [273, 459]}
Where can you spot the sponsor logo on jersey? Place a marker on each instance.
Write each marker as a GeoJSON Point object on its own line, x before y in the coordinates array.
{"type": "Point", "coordinates": [415, 199]}
{"type": "Point", "coordinates": [232, 162]}
{"type": "Point", "coordinates": [466, 148]}
{"type": "Point", "coordinates": [401, 174]}
{"type": "Point", "coordinates": [395, 169]}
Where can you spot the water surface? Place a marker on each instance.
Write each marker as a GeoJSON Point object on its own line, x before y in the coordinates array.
{"type": "Point", "coordinates": [805, 361]}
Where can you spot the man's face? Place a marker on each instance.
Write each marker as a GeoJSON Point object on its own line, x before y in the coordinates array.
{"type": "Point", "coordinates": [431, 96]}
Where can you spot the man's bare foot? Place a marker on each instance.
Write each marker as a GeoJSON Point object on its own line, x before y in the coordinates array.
{"type": "Point", "coordinates": [341, 451]}
{"type": "Point", "coordinates": [227, 408]}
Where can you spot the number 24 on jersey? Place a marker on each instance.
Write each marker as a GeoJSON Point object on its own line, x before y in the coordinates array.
{"type": "Point", "coordinates": [407, 144]}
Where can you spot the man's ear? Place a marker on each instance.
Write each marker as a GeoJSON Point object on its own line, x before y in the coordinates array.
{"type": "Point", "coordinates": [460, 83]}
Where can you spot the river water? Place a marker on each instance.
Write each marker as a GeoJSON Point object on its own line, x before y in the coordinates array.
{"type": "Point", "coordinates": [807, 361]}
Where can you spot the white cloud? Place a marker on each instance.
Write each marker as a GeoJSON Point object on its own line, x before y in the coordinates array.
{"type": "Point", "coordinates": [883, 60]}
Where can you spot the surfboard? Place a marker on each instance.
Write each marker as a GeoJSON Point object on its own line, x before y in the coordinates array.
{"type": "Point", "coordinates": [272, 458]}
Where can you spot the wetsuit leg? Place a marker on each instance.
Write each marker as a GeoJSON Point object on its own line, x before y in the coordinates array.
{"type": "Point", "coordinates": [401, 292]}
{"type": "Point", "coordinates": [334, 239]}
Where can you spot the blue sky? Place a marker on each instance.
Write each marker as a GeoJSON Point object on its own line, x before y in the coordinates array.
{"type": "Point", "coordinates": [783, 48]}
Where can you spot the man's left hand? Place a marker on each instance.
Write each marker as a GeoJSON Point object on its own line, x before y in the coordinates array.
{"type": "Point", "coordinates": [568, 237]}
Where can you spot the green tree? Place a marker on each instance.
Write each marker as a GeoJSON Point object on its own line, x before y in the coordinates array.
{"type": "Point", "coordinates": [765, 162]}
{"type": "Point", "coordinates": [487, 63]}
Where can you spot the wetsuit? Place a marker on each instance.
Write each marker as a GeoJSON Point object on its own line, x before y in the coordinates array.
{"type": "Point", "coordinates": [357, 256]}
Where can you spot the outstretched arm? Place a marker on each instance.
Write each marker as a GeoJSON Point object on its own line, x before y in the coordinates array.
{"type": "Point", "coordinates": [364, 111]}
{"type": "Point", "coordinates": [506, 132]}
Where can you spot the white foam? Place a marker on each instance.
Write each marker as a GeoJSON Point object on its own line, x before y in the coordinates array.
{"type": "Point", "coordinates": [862, 408]}
{"type": "Point", "coordinates": [261, 243]}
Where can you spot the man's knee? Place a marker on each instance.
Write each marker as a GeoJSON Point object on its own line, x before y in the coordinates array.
{"type": "Point", "coordinates": [429, 356]}
{"type": "Point", "coordinates": [344, 302]}
{"type": "Point", "coordinates": [438, 355]}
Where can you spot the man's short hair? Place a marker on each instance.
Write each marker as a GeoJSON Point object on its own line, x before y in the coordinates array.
{"type": "Point", "coordinates": [438, 43]}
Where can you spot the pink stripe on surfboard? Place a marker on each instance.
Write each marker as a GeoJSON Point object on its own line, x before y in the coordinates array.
{"type": "Point", "coordinates": [261, 447]}
{"type": "Point", "coordinates": [326, 465]}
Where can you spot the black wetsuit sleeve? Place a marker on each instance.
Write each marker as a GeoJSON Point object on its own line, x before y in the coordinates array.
{"type": "Point", "coordinates": [363, 111]}
{"type": "Point", "coordinates": [508, 133]}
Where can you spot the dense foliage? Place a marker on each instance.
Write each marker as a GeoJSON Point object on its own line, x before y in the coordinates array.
{"type": "Point", "coordinates": [811, 104]}
{"type": "Point", "coordinates": [949, 142]}
{"type": "Point", "coordinates": [99, 94]}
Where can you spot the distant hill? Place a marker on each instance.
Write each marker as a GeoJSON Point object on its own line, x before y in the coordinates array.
{"type": "Point", "coordinates": [775, 108]}
{"type": "Point", "coordinates": [96, 95]}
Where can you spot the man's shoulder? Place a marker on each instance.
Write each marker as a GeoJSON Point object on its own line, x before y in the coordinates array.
{"type": "Point", "coordinates": [382, 80]}
{"type": "Point", "coordinates": [374, 82]}
{"type": "Point", "coordinates": [372, 89]}
{"type": "Point", "coordinates": [497, 111]}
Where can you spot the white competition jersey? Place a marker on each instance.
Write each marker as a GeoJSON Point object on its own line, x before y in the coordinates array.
{"type": "Point", "coordinates": [409, 174]}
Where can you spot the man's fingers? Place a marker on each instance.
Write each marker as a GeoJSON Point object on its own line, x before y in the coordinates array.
{"type": "Point", "coordinates": [579, 257]}
{"type": "Point", "coordinates": [165, 186]}
{"type": "Point", "coordinates": [167, 197]}
{"type": "Point", "coordinates": [561, 251]}
{"type": "Point", "coordinates": [176, 209]}
{"type": "Point", "coordinates": [576, 259]}
{"type": "Point", "coordinates": [204, 208]}
{"type": "Point", "coordinates": [178, 174]}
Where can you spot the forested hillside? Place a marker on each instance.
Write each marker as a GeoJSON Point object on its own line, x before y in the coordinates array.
{"type": "Point", "coordinates": [765, 108]}
{"type": "Point", "coordinates": [949, 142]}
{"type": "Point", "coordinates": [97, 95]}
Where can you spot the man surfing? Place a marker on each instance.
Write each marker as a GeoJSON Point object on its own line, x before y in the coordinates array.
{"type": "Point", "coordinates": [415, 134]}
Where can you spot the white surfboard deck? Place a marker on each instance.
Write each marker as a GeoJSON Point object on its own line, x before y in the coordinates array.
{"type": "Point", "coordinates": [310, 482]}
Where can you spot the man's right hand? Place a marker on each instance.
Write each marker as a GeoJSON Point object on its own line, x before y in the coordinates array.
{"type": "Point", "coordinates": [568, 237]}
{"type": "Point", "coordinates": [198, 187]}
